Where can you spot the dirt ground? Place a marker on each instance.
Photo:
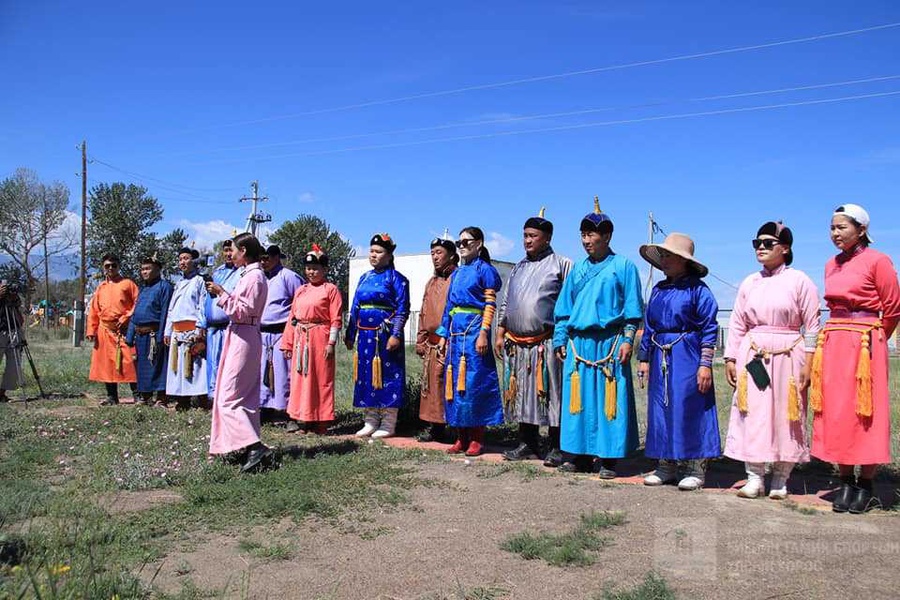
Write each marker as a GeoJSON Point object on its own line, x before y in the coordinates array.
{"type": "Point", "coordinates": [707, 544]}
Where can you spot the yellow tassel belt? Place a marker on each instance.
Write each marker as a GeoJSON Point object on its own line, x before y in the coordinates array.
{"type": "Point", "coordinates": [863, 364]}
{"type": "Point", "coordinates": [461, 376]}
{"type": "Point", "coordinates": [793, 404]}
{"type": "Point", "coordinates": [540, 383]}
{"type": "Point", "coordinates": [607, 365]}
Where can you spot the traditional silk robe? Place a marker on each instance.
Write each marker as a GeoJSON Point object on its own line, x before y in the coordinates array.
{"type": "Point", "coordinates": [217, 321]}
{"type": "Point", "coordinates": [188, 303]}
{"type": "Point", "coordinates": [858, 287]}
{"type": "Point", "coordinates": [529, 363]}
{"type": "Point", "coordinates": [431, 402]}
{"type": "Point", "coordinates": [313, 323]}
{"type": "Point", "coordinates": [379, 310]}
{"type": "Point", "coordinates": [235, 414]}
{"type": "Point", "coordinates": [111, 308]}
{"type": "Point", "coordinates": [275, 376]}
{"type": "Point", "coordinates": [599, 301]}
{"type": "Point", "coordinates": [682, 423]}
{"type": "Point", "coordinates": [771, 312]}
{"type": "Point", "coordinates": [475, 399]}
{"type": "Point", "coordinates": [151, 310]}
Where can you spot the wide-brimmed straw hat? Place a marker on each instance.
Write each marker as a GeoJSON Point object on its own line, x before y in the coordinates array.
{"type": "Point", "coordinates": [678, 244]}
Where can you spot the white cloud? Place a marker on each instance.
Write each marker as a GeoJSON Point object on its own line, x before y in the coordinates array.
{"type": "Point", "coordinates": [498, 245]}
{"type": "Point", "coordinates": [206, 234]}
{"type": "Point", "coordinates": [306, 198]}
{"type": "Point", "coordinates": [67, 234]}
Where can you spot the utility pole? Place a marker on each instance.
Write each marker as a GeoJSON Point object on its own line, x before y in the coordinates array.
{"type": "Point", "coordinates": [255, 217]}
{"type": "Point", "coordinates": [78, 313]}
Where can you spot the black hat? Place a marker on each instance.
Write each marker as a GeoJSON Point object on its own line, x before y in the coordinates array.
{"type": "Point", "coordinates": [151, 260]}
{"type": "Point", "coordinates": [316, 256]}
{"type": "Point", "coordinates": [274, 250]}
{"type": "Point", "coordinates": [784, 235]}
{"type": "Point", "coordinates": [444, 243]}
{"type": "Point", "coordinates": [227, 243]}
{"type": "Point", "coordinates": [539, 223]}
{"type": "Point", "coordinates": [384, 240]}
{"type": "Point", "coordinates": [597, 221]}
{"type": "Point", "coordinates": [185, 250]}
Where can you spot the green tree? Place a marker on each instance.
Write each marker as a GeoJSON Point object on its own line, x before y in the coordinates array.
{"type": "Point", "coordinates": [167, 248]}
{"type": "Point", "coordinates": [120, 222]}
{"type": "Point", "coordinates": [297, 237]}
{"type": "Point", "coordinates": [32, 232]}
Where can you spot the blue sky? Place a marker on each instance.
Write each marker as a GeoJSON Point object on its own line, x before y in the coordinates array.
{"type": "Point", "coordinates": [201, 98]}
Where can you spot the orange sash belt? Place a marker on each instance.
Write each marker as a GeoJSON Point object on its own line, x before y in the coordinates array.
{"type": "Point", "coordinates": [863, 365]}
{"type": "Point", "coordinates": [529, 340]}
{"type": "Point", "coordinates": [183, 326]}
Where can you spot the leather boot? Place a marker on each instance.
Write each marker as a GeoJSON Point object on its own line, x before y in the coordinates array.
{"type": "Point", "coordinates": [388, 423]}
{"type": "Point", "coordinates": [844, 496]}
{"type": "Point", "coordinates": [863, 499]}
{"type": "Point", "coordinates": [476, 445]}
{"type": "Point", "coordinates": [372, 420]}
{"type": "Point", "coordinates": [462, 441]}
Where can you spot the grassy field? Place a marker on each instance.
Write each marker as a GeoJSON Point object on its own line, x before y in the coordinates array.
{"type": "Point", "coordinates": [68, 477]}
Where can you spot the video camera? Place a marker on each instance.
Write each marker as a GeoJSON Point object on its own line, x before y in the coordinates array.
{"type": "Point", "coordinates": [12, 287]}
{"type": "Point", "coordinates": [205, 263]}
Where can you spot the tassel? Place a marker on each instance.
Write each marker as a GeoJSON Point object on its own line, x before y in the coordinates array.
{"type": "Point", "coordinates": [864, 378]}
{"type": "Point", "coordinates": [513, 390]}
{"type": "Point", "coordinates": [306, 358]}
{"type": "Point", "coordinates": [539, 375]}
{"type": "Point", "coordinates": [793, 400]}
{"type": "Point", "coordinates": [611, 396]}
{"type": "Point", "coordinates": [270, 374]}
{"type": "Point", "coordinates": [448, 383]}
{"type": "Point", "coordinates": [173, 356]}
{"type": "Point", "coordinates": [298, 367]}
{"type": "Point", "coordinates": [355, 366]}
{"type": "Point", "coordinates": [815, 393]}
{"type": "Point", "coordinates": [188, 362]}
{"type": "Point", "coordinates": [742, 392]}
{"type": "Point", "coordinates": [575, 391]}
{"type": "Point", "coordinates": [461, 378]}
{"type": "Point", "coordinates": [376, 373]}
{"type": "Point", "coordinates": [118, 355]}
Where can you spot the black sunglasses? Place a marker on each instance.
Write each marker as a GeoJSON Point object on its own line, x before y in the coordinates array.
{"type": "Point", "coordinates": [111, 266]}
{"type": "Point", "coordinates": [463, 243]}
{"type": "Point", "coordinates": [767, 244]}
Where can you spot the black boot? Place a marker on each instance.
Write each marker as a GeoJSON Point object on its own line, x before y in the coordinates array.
{"type": "Point", "coordinates": [844, 496]}
{"type": "Point", "coordinates": [605, 468]}
{"type": "Point", "coordinates": [529, 444]}
{"type": "Point", "coordinates": [112, 395]}
{"type": "Point", "coordinates": [863, 500]}
{"type": "Point", "coordinates": [258, 457]}
{"type": "Point", "coordinates": [554, 457]}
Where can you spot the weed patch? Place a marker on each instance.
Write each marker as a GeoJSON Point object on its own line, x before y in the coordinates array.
{"type": "Point", "coordinates": [653, 587]}
{"type": "Point", "coordinates": [574, 548]}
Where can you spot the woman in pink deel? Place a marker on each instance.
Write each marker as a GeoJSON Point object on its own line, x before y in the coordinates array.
{"type": "Point", "coordinates": [767, 360]}
{"type": "Point", "coordinates": [308, 344]}
{"type": "Point", "coordinates": [235, 415]}
{"type": "Point", "coordinates": [850, 396]}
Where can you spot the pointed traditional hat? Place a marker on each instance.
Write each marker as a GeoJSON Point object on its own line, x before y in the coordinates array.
{"type": "Point", "coordinates": [598, 220]}
{"type": "Point", "coordinates": [540, 223]}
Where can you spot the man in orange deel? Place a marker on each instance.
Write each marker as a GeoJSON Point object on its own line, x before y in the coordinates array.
{"type": "Point", "coordinates": [110, 311]}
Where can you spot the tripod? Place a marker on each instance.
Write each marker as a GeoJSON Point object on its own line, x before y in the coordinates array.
{"type": "Point", "coordinates": [19, 345]}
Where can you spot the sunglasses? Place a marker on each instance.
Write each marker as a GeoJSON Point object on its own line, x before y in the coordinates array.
{"type": "Point", "coordinates": [766, 244]}
{"type": "Point", "coordinates": [111, 266]}
{"type": "Point", "coordinates": [464, 243]}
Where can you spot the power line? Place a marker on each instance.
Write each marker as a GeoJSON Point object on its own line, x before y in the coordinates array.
{"type": "Point", "coordinates": [540, 78]}
{"type": "Point", "coordinates": [580, 112]}
{"type": "Point", "coordinates": [559, 128]}
{"type": "Point", "coordinates": [180, 200]}
{"type": "Point", "coordinates": [160, 181]}
{"type": "Point", "coordinates": [144, 178]}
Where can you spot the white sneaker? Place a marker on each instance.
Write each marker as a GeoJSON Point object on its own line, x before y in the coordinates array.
{"type": "Point", "coordinates": [752, 489]}
{"type": "Point", "coordinates": [653, 479]}
{"type": "Point", "coordinates": [372, 421]}
{"type": "Point", "coordinates": [778, 493]}
{"type": "Point", "coordinates": [388, 424]}
{"type": "Point", "coordinates": [690, 483]}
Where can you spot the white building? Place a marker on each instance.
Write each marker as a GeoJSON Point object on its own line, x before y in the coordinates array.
{"type": "Point", "coordinates": [418, 269]}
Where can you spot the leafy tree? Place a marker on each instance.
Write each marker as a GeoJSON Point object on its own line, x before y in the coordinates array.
{"type": "Point", "coordinates": [297, 237]}
{"type": "Point", "coordinates": [32, 232]}
{"type": "Point", "coordinates": [120, 222]}
{"type": "Point", "coordinates": [167, 248]}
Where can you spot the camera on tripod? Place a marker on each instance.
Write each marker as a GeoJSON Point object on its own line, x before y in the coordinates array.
{"type": "Point", "coordinates": [12, 287]}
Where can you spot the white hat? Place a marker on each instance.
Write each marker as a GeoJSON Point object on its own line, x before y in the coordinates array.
{"type": "Point", "coordinates": [858, 214]}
